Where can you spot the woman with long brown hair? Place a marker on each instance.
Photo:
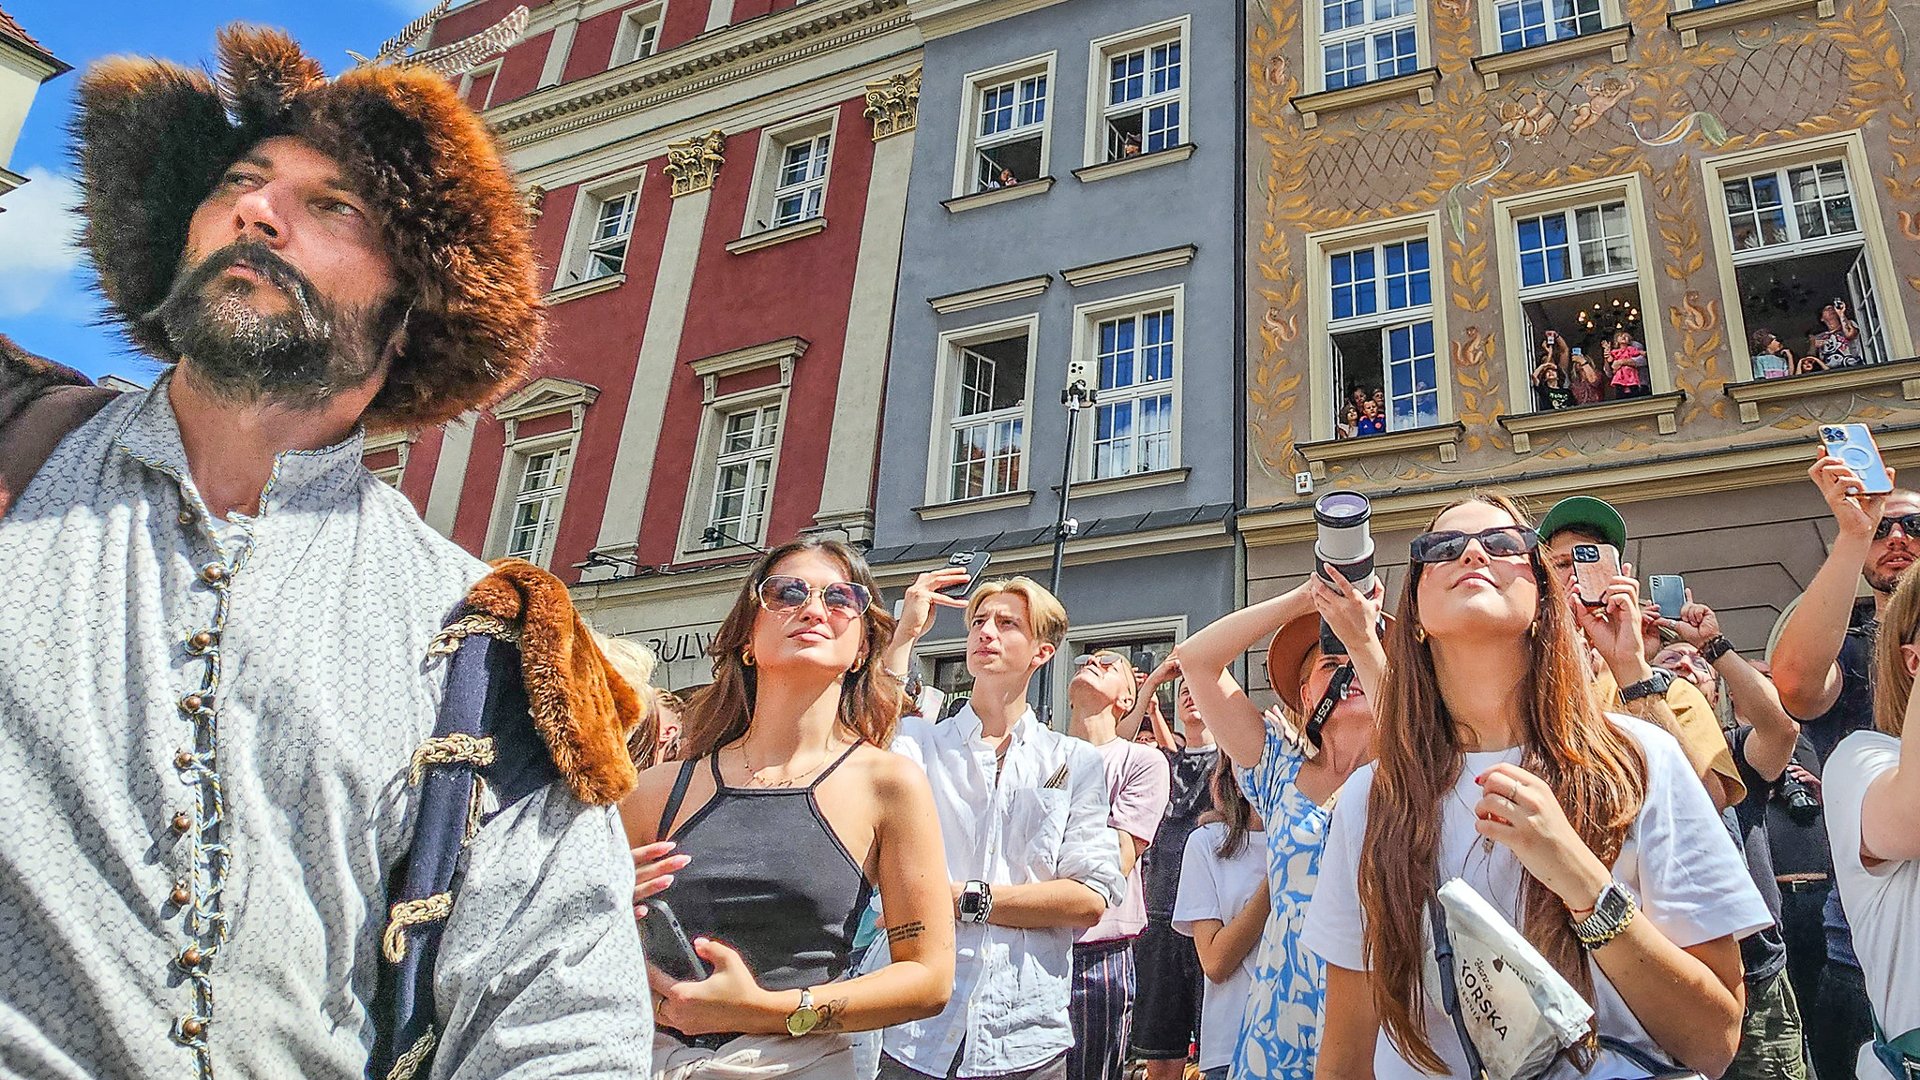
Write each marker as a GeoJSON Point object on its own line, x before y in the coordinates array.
{"type": "Point", "coordinates": [1495, 766]}
{"type": "Point", "coordinates": [787, 814]}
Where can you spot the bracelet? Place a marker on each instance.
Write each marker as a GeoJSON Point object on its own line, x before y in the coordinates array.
{"type": "Point", "coordinates": [1604, 936]}
{"type": "Point", "coordinates": [1713, 650]}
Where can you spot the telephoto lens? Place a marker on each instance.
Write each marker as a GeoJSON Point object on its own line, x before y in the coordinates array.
{"type": "Point", "coordinates": [1346, 542]}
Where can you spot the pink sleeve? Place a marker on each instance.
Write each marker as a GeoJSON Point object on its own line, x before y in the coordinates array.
{"type": "Point", "coordinates": [1141, 799]}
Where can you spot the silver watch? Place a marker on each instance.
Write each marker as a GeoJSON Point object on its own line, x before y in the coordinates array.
{"type": "Point", "coordinates": [1612, 911]}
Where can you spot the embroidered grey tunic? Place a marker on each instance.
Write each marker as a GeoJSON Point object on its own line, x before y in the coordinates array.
{"type": "Point", "coordinates": [207, 731]}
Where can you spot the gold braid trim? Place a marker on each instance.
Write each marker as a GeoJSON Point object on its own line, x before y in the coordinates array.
{"type": "Point", "coordinates": [410, 1062]}
{"type": "Point", "coordinates": [448, 639]}
{"type": "Point", "coordinates": [409, 913]}
{"type": "Point", "coordinates": [458, 748]}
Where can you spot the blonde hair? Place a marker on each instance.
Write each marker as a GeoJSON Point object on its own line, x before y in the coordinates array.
{"type": "Point", "coordinates": [1046, 616]}
{"type": "Point", "coordinates": [1892, 684]}
{"type": "Point", "coordinates": [636, 663]}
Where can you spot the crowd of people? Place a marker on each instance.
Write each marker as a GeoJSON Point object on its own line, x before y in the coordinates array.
{"type": "Point", "coordinates": [303, 789]}
{"type": "Point", "coordinates": [1607, 367]}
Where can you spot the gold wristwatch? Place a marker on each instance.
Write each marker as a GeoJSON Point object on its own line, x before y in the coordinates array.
{"type": "Point", "coordinates": [805, 1018]}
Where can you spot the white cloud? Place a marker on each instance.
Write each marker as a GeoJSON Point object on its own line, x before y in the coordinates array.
{"type": "Point", "coordinates": [38, 252]}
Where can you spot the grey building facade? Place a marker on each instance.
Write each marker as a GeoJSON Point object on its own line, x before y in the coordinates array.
{"type": "Point", "coordinates": [1072, 215]}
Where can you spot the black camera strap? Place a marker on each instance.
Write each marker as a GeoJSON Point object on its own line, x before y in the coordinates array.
{"type": "Point", "coordinates": [1322, 710]}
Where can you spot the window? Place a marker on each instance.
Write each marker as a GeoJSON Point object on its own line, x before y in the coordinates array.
{"type": "Point", "coordinates": [1143, 94]}
{"type": "Point", "coordinates": [987, 437]}
{"type": "Point", "coordinates": [1580, 286]}
{"type": "Point", "coordinates": [536, 504]}
{"type": "Point", "coordinates": [1365, 40]}
{"type": "Point", "coordinates": [1382, 337]}
{"type": "Point", "coordinates": [1006, 138]}
{"type": "Point", "coordinates": [476, 86]}
{"type": "Point", "coordinates": [743, 471]}
{"type": "Point", "coordinates": [1535, 22]}
{"type": "Point", "coordinates": [802, 187]}
{"type": "Point", "coordinates": [1133, 419]}
{"type": "Point", "coordinates": [1799, 253]}
{"type": "Point", "coordinates": [639, 35]}
{"type": "Point", "coordinates": [603, 219]}
{"type": "Point", "coordinates": [612, 228]}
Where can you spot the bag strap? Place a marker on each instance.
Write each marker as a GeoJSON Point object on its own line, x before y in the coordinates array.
{"type": "Point", "coordinates": [1450, 989]}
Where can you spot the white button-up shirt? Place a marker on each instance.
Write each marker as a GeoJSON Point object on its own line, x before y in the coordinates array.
{"type": "Point", "coordinates": [1009, 1005]}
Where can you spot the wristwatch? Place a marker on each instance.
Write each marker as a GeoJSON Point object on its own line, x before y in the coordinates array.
{"type": "Point", "coordinates": [1654, 685]}
{"type": "Point", "coordinates": [976, 902]}
{"type": "Point", "coordinates": [1713, 650]}
{"type": "Point", "coordinates": [1613, 912]}
{"type": "Point", "coordinates": [805, 1018]}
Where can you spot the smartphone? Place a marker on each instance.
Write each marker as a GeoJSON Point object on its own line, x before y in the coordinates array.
{"type": "Point", "coordinates": [1853, 445]}
{"type": "Point", "coordinates": [1594, 568]}
{"type": "Point", "coordinates": [1669, 594]}
{"type": "Point", "coordinates": [974, 562]}
{"type": "Point", "coordinates": [666, 944]}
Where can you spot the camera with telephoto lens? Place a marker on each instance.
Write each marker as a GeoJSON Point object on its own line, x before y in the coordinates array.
{"type": "Point", "coordinates": [1346, 542]}
{"type": "Point", "coordinates": [1801, 803]}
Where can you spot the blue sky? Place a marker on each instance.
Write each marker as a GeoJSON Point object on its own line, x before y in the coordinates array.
{"type": "Point", "coordinates": [45, 299]}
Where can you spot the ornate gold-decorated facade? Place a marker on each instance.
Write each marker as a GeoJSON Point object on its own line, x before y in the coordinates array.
{"type": "Point", "coordinates": [1657, 110]}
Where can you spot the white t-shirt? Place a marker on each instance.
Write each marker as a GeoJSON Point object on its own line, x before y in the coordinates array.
{"type": "Point", "coordinates": [1216, 888]}
{"type": "Point", "coordinates": [1883, 903]}
{"type": "Point", "coordinates": [1678, 859]}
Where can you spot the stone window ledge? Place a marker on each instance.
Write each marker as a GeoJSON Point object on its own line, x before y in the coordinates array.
{"type": "Point", "coordinates": [978, 199]}
{"type": "Point", "coordinates": [766, 238]}
{"type": "Point", "coordinates": [584, 288]}
{"type": "Point", "coordinates": [1012, 500]}
{"type": "Point", "coordinates": [1663, 408]}
{"type": "Point", "coordinates": [1444, 438]}
{"type": "Point", "coordinates": [1110, 485]}
{"type": "Point", "coordinates": [1417, 84]}
{"type": "Point", "coordinates": [1689, 23]}
{"type": "Point", "coordinates": [1612, 40]}
{"type": "Point", "coordinates": [1121, 167]}
{"type": "Point", "coordinates": [1751, 395]}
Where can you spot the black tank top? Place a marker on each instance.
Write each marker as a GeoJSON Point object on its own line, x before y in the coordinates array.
{"type": "Point", "coordinates": [769, 877]}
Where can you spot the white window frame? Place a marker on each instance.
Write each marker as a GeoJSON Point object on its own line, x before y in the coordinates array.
{"type": "Point", "coordinates": [589, 199]}
{"type": "Point", "coordinates": [1607, 12]}
{"type": "Point", "coordinates": [1322, 247]}
{"type": "Point", "coordinates": [1578, 279]}
{"type": "Point", "coordinates": [398, 441]}
{"type": "Point", "coordinates": [767, 189]}
{"type": "Point", "coordinates": [967, 149]}
{"type": "Point", "coordinates": [467, 80]}
{"type": "Point", "coordinates": [1078, 637]}
{"type": "Point", "coordinates": [767, 411]}
{"type": "Point", "coordinates": [1319, 39]}
{"type": "Point", "coordinates": [1521, 345]}
{"type": "Point", "coordinates": [946, 398]}
{"type": "Point", "coordinates": [635, 23]}
{"type": "Point", "coordinates": [1088, 319]}
{"type": "Point", "coordinates": [537, 400]}
{"type": "Point", "coordinates": [551, 496]}
{"type": "Point", "coordinates": [696, 515]}
{"type": "Point", "coordinates": [1847, 146]}
{"type": "Point", "coordinates": [1788, 209]}
{"type": "Point", "coordinates": [1099, 146]}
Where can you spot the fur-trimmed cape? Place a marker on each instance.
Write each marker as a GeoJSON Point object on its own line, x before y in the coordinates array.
{"type": "Point", "coordinates": [152, 138]}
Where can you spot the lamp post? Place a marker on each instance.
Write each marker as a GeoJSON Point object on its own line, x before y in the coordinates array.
{"type": "Point", "coordinates": [1079, 394]}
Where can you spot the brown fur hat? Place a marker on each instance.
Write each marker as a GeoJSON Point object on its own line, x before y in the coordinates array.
{"type": "Point", "coordinates": [152, 138]}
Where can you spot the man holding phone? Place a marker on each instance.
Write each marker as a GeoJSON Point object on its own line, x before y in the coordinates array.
{"type": "Point", "coordinates": [1023, 812]}
{"type": "Point", "coordinates": [1823, 667]}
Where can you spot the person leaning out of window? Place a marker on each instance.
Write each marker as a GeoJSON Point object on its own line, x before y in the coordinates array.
{"type": "Point", "coordinates": [1589, 833]}
{"type": "Point", "coordinates": [1872, 786]}
{"type": "Point", "coordinates": [1771, 359]}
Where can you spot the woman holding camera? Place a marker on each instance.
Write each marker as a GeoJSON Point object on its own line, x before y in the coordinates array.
{"type": "Point", "coordinates": [1872, 784]}
{"type": "Point", "coordinates": [787, 814]}
{"type": "Point", "coordinates": [1590, 833]}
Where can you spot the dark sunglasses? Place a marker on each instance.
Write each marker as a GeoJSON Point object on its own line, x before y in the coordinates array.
{"type": "Point", "coordinates": [1909, 524]}
{"type": "Point", "coordinates": [781, 594]}
{"type": "Point", "coordinates": [1448, 545]}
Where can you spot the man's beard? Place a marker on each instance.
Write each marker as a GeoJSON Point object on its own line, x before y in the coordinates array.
{"type": "Point", "coordinates": [1884, 581]}
{"type": "Point", "coordinates": [297, 358]}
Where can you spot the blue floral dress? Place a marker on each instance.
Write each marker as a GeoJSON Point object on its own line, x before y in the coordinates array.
{"type": "Point", "coordinates": [1280, 1032]}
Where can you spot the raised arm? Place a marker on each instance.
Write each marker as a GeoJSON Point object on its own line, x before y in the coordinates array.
{"type": "Point", "coordinates": [1755, 700]}
{"type": "Point", "coordinates": [1206, 656]}
{"type": "Point", "coordinates": [1143, 699]}
{"type": "Point", "coordinates": [923, 602]}
{"type": "Point", "coordinates": [1805, 659]}
{"type": "Point", "coordinates": [1892, 801]}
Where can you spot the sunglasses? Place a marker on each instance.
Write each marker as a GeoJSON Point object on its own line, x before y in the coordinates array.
{"type": "Point", "coordinates": [1909, 524]}
{"type": "Point", "coordinates": [781, 594]}
{"type": "Point", "coordinates": [1107, 663]}
{"type": "Point", "coordinates": [1448, 545]}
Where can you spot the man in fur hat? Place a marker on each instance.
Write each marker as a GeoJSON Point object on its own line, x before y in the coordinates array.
{"type": "Point", "coordinates": [224, 651]}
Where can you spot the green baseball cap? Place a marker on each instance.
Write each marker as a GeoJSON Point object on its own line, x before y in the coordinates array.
{"type": "Point", "coordinates": [1585, 511]}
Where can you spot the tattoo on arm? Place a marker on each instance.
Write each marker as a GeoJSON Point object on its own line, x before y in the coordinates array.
{"type": "Point", "coordinates": [906, 932]}
{"type": "Point", "coordinates": [831, 1018]}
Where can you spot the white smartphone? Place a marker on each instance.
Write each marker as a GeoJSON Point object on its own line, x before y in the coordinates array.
{"type": "Point", "coordinates": [1853, 445]}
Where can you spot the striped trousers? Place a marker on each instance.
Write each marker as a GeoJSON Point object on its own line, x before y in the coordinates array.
{"type": "Point", "coordinates": [1100, 1007]}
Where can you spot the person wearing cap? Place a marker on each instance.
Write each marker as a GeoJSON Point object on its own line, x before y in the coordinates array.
{"type": "Point", "coordinates": [227, 654]}
{"type": "Point", "coordinates": [1625, 679]}
{"type": "Point", "coordinates": [1290, 769]}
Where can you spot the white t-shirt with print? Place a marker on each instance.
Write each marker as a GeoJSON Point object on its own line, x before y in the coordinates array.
{"type": "Point", "coordinates": [1883, 903]}
{"type": "Point", "coordinates": [1215, 888]}
{"type": "Point", "coordinates": [1677, 859]}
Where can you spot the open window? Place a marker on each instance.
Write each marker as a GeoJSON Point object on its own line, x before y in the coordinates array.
{"type": "Point", "coordinates": [1386, 372]}
{"type": "Point", "coordinates": [987, 429]}
{"type": "Point", "coordinates": [1006, 142]}
{"type": "Point", "coordinates": [1140, 78]}
{"type": "Point", "coordinates": [1580, 287]}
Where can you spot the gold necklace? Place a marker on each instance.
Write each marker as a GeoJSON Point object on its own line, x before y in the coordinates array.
{"type": "Point", "coordinates": [753, 774]}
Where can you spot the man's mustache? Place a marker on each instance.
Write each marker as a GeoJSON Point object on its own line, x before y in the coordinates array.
{"type": "Point", "coordinates": [262, 259]}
